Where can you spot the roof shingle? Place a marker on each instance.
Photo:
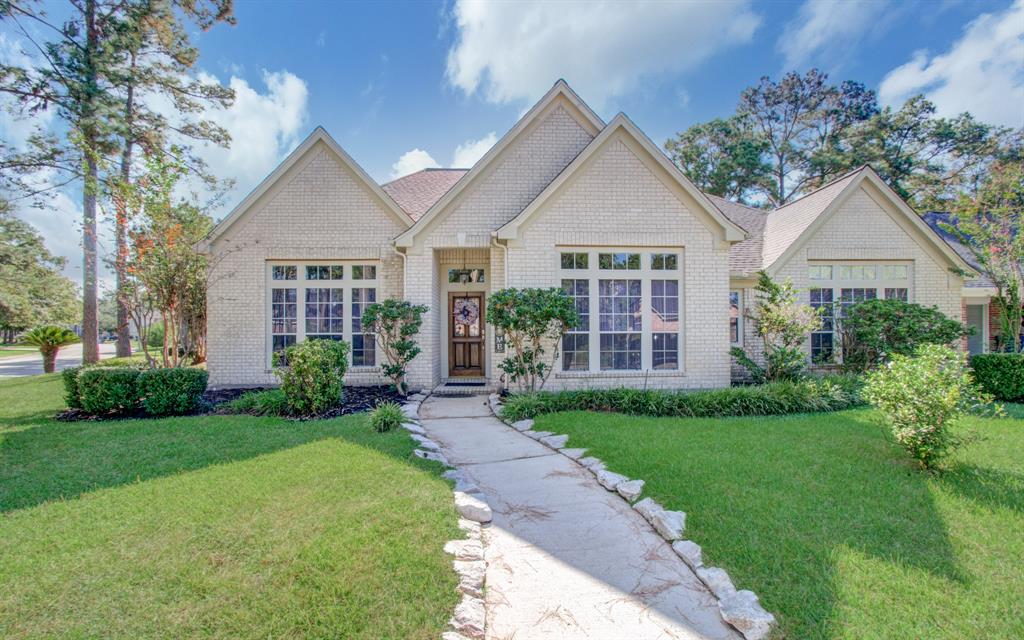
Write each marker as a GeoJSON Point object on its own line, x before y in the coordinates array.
{"type": "Point", "coordinates": [417, 192]}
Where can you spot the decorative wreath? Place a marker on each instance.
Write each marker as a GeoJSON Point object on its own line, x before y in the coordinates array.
{"type": "Point", "coordinates": [466, 311]}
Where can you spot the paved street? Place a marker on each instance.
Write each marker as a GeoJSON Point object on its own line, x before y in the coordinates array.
{"type": "Point", "coordinates": [32, 364]}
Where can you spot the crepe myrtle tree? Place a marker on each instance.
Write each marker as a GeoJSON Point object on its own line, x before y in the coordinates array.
{"type": "Point", "coordinates": [533, 321]}
{"type": "Point", "coordinates": [395, 323]}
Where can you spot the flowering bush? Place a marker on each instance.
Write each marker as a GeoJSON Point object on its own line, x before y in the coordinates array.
{"type": "Point", "coordinates": [312, 381]}
{"type": "Point", "coordinates": [922, 397]}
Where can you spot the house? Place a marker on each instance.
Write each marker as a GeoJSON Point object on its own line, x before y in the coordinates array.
{"type": "Point", "coordinates": [661, 273]}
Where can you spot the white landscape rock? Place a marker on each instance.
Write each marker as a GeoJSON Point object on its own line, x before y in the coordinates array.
{"type": "Point", "coordinates": [609, 479]}
{"type": "Point", "coordinates": [690, 552]}
{"type": "Point", "coordinates": [411, 410]}
{"type": "Point", "coordinates": [537, 435]}
{"type": "Point", "coordinates": [631, 489]}
{"type": "Point", "coordinates": [426, 442]}
{"type": "Point", "coordinates": [717, 580]}
{"type": "Point", "coordinates": [523, 425]}
{"type": "Point", "coordinates": [412, 427]}
{"type": "Point", "coordinates": [469, 617]}
{"type": "Point", "coordinates": [647, 508]}
{"type": "Point", "coordinates": [472, 507]}
{"type": "Point", "coordinates": [471, 528]}
{"type": "Point", "coordinates": [670, 524]}
{"type": "Point", "coordinates": [453, 635]}
{"type": "Point", "coordinates": [471, 576]}
{"type": "Point", "coordinates": [555, 442]}
{"type": "Point", "coordinates": [575, 454]}
{"type": "Point", "coordinates": [417, 397]}
{"type": "Point", "coordinates": [743, 611]}
{"type": "Point", "coordinates": [466, 485]}
{"type": "Point", "coordinates": [432, 455]}
{"type": "Point", "coordinates": [465, 549]}
{"type": "Point", "coordinates": [592, 463]}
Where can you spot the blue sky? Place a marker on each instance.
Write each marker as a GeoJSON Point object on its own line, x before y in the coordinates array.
{"type": "Point", "coordinates": [419, 80]}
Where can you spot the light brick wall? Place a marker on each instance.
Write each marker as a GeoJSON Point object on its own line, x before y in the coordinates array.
{"type": "Point", "coordinates": [617, 201]}
{"type": "Point", "coordinates": [318, 211]}
{"type": "Point", "coordinates": [862, 230]}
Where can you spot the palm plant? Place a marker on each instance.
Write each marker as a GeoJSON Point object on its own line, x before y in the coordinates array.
{"type": "Point", "coordinates": [50, 339]}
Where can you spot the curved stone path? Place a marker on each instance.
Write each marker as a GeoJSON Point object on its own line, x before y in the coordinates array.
{"type": "Point", "coordinates": [566, 558]}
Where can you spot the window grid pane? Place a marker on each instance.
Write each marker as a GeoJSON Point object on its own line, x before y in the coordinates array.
{"type": "Point", "coordinates": [576, 342]}
{"type": "Point", "coordinates": [664, 261]}
{"type": "Point", "coordinates": [325, 310]}
{"type": "Point", "coordinates": [363, 343]}
{"type": "Point", "coordinates": [734, 317]}
{"type": "Point", "coordinates": [283, 320]}
{"type": "Point", "coordinates": [574, 260]}
{"type": "Point", "coordinates": [620, 323]}
{"type": "Point", "coordinates": [897, 293]}
{"type": "Point", "coordinates": [284, 272]}
{"type": "Point", "coordinates": [822, 341]}
{"type": "Point", "coordinates": [618, 261]}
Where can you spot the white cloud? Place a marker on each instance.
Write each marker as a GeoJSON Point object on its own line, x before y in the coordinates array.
{"type": "Point", "coordinates": [467, 153]}
{"type": "Point", "coordinates": [828, 31]}
{"type": "Point", "coordinates": [411, 162]}
{"type": "Point", "coordinates": [514, 51]}
{"type": "Point", "coordinates": [983, 72]}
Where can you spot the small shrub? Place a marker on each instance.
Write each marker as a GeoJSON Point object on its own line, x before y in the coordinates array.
{"type": "Point", "coordinates": [534, 321]}
{"type": "Point", "coordinates": [269, 402]}
{"type": "Point", "coordinates": [827, 394]}
{"type": "Point", "coordinates": [175, 391]}
{"type": "Point", "coordinates": [1000, 375]}
{"type": "Point", "coordinates": [72, 397]}
{"type": "Point", "coordinates": [106, 390]}
{"type": "Point", "coordinates": [873, 331]}
{"type": "Point", "coordinates": [312, 381]}
{"type": "Point", "coordinates": [922, 396]}
{"type": "Point", "coordinates": [155, 336]}
{"type": "Point", "coordinates": [135, 362]}
{"type": "Point", "coordinates": [395, 324]}
{"type": "Point", "coordinates": [386, 416]}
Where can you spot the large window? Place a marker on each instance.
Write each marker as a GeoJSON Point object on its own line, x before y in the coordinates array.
{"type": "Point", "coordinates": [308, 301]}
{"type": "Point", "coordinates": [735, 318]}
{"type": "Point", "coordinates": [629, 304]}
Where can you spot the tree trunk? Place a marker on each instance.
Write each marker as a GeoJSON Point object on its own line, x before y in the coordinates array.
{"type": "Point", "coordinates": [49, 360]}
{"type": "Point", "coordinates": [124, 343]}
{"type": "Point", "coordinates": [90, 316]}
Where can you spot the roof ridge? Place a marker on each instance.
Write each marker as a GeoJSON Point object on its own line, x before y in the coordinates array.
{"type": "Point", "coordinates": [739, 204]}
{"type": "Point", "coordinates": [423, 170]}
{"type": "Point", "coordinates": [828, 184]}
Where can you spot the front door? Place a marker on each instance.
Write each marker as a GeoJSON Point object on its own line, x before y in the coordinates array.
{"type": "Point", "coordinates": [466, 334]}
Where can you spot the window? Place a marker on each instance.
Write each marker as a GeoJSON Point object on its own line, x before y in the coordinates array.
{"type": "Point", "coordinates": [664, 261]}
{"type": "Point", "coordinates": [620, 323]}
{"type": "Point", "coordinates": [854, 295]}
{"type": "Point", "coordinates": [664, 324]}
{"type": "Point", "coordinates": [312, 306]}
{"type": "Point", "coordinates": [896, 293]}
{"type": "Point", "coordinates": [363, 350]}
{"type": "Point", "coordinates": [576, 341]}
{"type": "Point", "coordinates": [857, 272]}
{"type": "Point", "coordinates": [575, 260]}
{"type": "Point", "coordinates": [894, 272]}
{"type": "Point", "coordinates": [283, 320]}
{"type": "Point", "coordinates": [618, 261]}
{"type": "Point", "coordinates": [324, 272]}
{"type": "Point", "coordinates": [465, 276]}
{"type": "Point", "coordinates": [820, 272]}
{"type": "Point", "coordinates": [284, 272]}
{"type": "Point", "coordinates": [735, 318]}
{"type": "Point", "coordinates": [822, 341]}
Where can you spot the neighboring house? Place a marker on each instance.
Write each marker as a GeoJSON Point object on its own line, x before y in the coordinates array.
{"type": "Point", "coordinates": [661, 273]}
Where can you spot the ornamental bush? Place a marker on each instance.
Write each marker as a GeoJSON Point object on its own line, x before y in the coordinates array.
{"type": "Point", "coordinates": [831, 393]}
{"type": "Point", "coordinates": [109, 390]}
{"type": "Point", "coordinates": [395, 323]}
{"type": "Point", "coordinates": [386, 416]}
{"type": "Point", "coordinates": [267, 402]}
{"type": "Point", "coordinates": [533, 321]}
{"type": "Point", "coordinates": [72, 397]}
{"type": "Point", "coordinates": [873, 331]}
{"type": "Point", "coordinates": [1000, 374]}
{"type": "Point", "coordinates": [172, 391]}
{"type": "Point", "coordinates": [921, 398]}
{"type": "Point", "coordinates": [312, 381]}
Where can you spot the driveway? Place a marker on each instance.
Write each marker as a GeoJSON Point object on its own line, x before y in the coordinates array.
{"type": "Point", "coordinates": [566, 558]}
{"type": "Point", "coordinates": [32, 364]}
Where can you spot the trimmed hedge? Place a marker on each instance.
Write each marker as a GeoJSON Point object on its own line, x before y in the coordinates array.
{"type": "Point", "coordinates": [1000, 374]}
{"type": "Point", "coordinates": [166, 392]}
{"type": "Point", "coordinates": [832, 393]}
{"type": "Point", "coordinates": [107, 390]}
{"type": "Point", "coordinates": [71, 395]}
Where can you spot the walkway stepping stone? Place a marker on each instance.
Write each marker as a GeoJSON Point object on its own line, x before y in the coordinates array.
{"type": "Point", "coordinates": [631, 489]}
{"type": "Point", "coordinates": [717, 580]}
{"type": "Point", "coordinates": [522, 425]}
{"type": "Point", "coordinates": [690, 552]}
{"type": "Point", "coordinates": [743, 611]}
{"type": "Point", "coordinates": [609, 479]}
{"type": "Point", "coordinates": [555, 442]}
{"type": "Point", "coordinates": [472, 508]}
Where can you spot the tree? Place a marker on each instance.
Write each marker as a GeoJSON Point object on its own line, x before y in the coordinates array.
{"type": "Point", "coordinates": [783, 325]}
{"type": "Point", "coordinates": [50, 339]}
{"type": "Point", "coordinates": [988, 223]}
{"type": "Point", "coordinates": [802, 120]}
{"type": "Point", "coordinates": [395, 323]}
{"type": "Point", "coordinates": [533, 320]}
{"type": "Point", "coordinates": [32, 289]}
{"type": "Point", "coordinates": [722, 157]}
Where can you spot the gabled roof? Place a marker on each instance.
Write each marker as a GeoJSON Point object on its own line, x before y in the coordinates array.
{"type": "Point", "coordinates": [744, 256]}
{"type": "Point", "coordinates": [319, 135]}
{"type": "Point", "coordinates": [935, 220]}
{"type": "Point", "coordinates": [560, 91]}
{"type": "Point", "coordinates": [729, 231]}
{"type": "Point", "coordinates": [417, 192]}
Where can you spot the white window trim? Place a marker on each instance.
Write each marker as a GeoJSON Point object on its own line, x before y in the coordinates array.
{"type": "Point", "coordinates": [739, 318]}
{"type": "Point", "coordinates": [300, 284]}
{"type": "Point", "coordinates": [645, 274]}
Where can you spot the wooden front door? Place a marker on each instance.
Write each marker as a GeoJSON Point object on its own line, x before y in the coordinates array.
{"type": "Point", "coordinates": [466, 334]}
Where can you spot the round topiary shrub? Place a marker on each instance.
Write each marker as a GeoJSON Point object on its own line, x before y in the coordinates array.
{"type": "Point", "coordinates": [166, 392]}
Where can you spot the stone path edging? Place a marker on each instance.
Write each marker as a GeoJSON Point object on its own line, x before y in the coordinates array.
{"type": "Point", "coordinates": [740, 609]}
{"type": "Point", "coordinates": [469, 620]}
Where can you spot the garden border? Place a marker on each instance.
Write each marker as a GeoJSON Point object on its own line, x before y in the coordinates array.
{"type": "Point", "coordinates": [469, 620]}
{"type": "Point", "coordinates": [740, 609]}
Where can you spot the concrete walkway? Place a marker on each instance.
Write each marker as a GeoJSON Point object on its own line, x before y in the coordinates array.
{"type": "Point", "coordinates": [566, 558]}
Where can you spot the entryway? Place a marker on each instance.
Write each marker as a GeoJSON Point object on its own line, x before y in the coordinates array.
{"type": "Point", "coordinates": [466, 324]}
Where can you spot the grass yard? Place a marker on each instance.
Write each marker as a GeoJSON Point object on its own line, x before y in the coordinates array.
{"type": "Point", "coordinates": [826, 521]}
{"type": "Point", "coordinates": [216, 527]}
{"type": "Point", "coordinates": [12, 350]}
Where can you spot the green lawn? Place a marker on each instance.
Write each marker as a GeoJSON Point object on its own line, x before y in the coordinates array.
{"type": "Point", "coordinates": [826, 521]}
{"type": "Point", "coordinates": [12, 350]}
{"type": "Point", "coordinates": [216, 526]}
